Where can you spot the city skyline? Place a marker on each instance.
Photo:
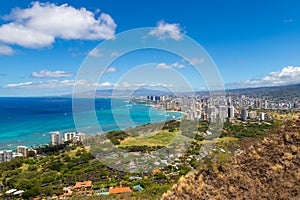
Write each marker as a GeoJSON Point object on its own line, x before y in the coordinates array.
{"type": "Point", "coordinates": [252, 44]}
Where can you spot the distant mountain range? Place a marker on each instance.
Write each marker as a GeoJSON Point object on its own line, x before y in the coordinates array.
{"type": "Point", "coordinates": [123, 93]}
{"type": "Point", "coordinates": [279, 92]}
{"type": "Point", "coordinates": [283, 92]}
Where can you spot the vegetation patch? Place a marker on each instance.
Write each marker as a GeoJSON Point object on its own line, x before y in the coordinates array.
{"type": "Point", "coordinates": [161, 138]}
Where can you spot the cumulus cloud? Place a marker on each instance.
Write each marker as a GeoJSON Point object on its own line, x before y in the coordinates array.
{"type": "Point", "coordinates": [6, 50]}
{"type": "Point", "coordinates": [165, 31]}
{"type": "Point", "coordinates": [177, 65]}
{"type": "Point", "coordinates": [286, 76]}
{"type": "Point", "coordinates": [39, 25]}
{"type": "Point", "coordinates": [51, 74]}
{"type": "Point", "coordinates": [106, 84]}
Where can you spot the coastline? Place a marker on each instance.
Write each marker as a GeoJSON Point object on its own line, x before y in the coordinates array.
{"type": "Point", "coordinates": [171, 111]}
{"type": "Point", "coordinates": [38, 139]}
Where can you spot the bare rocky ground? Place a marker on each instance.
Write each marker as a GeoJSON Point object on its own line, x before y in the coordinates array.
{"type": "Point", "coordinates": [268, 168]}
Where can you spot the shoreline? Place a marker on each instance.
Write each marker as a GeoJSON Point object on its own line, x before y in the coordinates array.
{"type": "Point", "coordinates": [46, 141]}
{"type": "Point", "coordinates": [171, 111]}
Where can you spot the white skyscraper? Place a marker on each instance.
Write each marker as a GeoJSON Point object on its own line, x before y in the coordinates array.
{"type": "Point", "coordinates": [5, 155]}
{"type": "Point", "coordinates": [223, 112]}
{"type": "Point", "coordinates": [22, 150]}
{"type": "Point", "coordinates": [69, 136]}
{"type": "Point", "coordinates": [76, 137]}
{"type": "Point", "coordinates": [231, 112]}
{"type": "Point", "coordinates": [56, 138]}
{"type": "Point", "coordinates": [262, 116]}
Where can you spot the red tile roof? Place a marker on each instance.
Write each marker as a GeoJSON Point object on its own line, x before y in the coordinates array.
{"type": "Point", "coordinates": [118, 190]}
{"type": "Point", "coordinates": [85, 184]}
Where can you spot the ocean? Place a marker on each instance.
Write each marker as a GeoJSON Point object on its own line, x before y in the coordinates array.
{"type": "Point", "coordinates": [28, 121]}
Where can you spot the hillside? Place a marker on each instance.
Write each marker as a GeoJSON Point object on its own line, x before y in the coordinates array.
{"type": "Point", "coordinates": [268, 168]}
{"type": "Point", "coordinates": [272, 92]}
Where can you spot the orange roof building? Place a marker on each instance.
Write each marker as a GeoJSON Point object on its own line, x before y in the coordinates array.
{"type": "Point", "coordinates": [118, 190]}
{"type": "Point", "coordinates": [156, 171]}
{"type": "Point", "coordinates": [85, 184]}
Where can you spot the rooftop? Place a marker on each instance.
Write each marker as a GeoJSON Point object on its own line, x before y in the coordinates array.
{"type": "Point", "coordinates": [84, 184]}
{"type": "Point", "coordinates": [118, 190]}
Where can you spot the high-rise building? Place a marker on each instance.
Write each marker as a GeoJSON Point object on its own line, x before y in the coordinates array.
{"type": "Point", "coordinates": [79, 137]}
{"type": "Point", "coordinates": [266, 104]}
{"type": "Point", "coordinates": [231, 112]}
{"type": "Point", "coordinates": [261, 116]}
{"type": "Point", "coordinates": [76, 137]}
{"type": "Point", "coordinates": [211, 110]}
{"type": "Point", "coordinates": [56, 138]}
{"type": "Point", "coordinates": [229, 103]}
{"type": "Point", "coordinates": [5, 155]}
{"type": "Point", "coordinates": [2, 156]}
{"type": "Point", "coordinates": [22, 150]}
{"type": "Point", "coordinates": [223, 114]}
{"type": "Point", "coordinates": [244, 114]}
{"type": "Point", "coordinates": [69, 136]}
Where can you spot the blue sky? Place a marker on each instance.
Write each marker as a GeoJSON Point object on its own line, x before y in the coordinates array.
{"type": "Point", "coordinates": [43, 44]}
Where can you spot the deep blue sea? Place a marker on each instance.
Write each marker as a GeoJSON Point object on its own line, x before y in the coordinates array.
{"type": "Point", "coordinates": [28, 121]}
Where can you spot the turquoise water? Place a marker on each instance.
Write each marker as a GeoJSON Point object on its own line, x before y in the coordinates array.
{"type": "Point", "coordinates": [28, 121]}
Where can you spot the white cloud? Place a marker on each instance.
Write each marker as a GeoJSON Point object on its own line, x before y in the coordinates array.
{"type": "Point", "coordinates": [139, 85]}
{"type": "Point", "coordinates": [195, 61]}
{"type": "Point", "coordinates": [96, 52]}
{"type": "Point", "coordinates": [106, 84]}
{"type": "Point", "coordinates": [14, 85]}
{"type": "Point", "coordinates": [165, 30]}
{"type": "Point", "coordinates": [51, 74]}
{"type": "Point", "coordinates": [170, 66]}
{"type": "Point", "coordinates": [286, 76]}
{"type": "Point", "coordinates": [111, 69]}
{"type": "Point", "coordinates": [114, 54]}
{"type": "Point", "coordinates": [163, 66]}
{"type": "Point", "coordinates": [107, 70]}
{"type": "Point", "coordinates": [50, 84]}
{"type": "Point", "coordinates": [39, 25]}
{"type": "Point", "coordinates": [178, 65]}
{"type": "Point", "coordinates": [6, 50]}
{"type": "Point", "coordinates": [13, 33]}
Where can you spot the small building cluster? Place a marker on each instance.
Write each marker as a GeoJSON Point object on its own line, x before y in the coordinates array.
{"type": "Point", "coordinates": [57, 139]}
{"type": "Point", "coordinates": [22, 151]}
{"type": "Point", "coordinates": [85, 188]}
